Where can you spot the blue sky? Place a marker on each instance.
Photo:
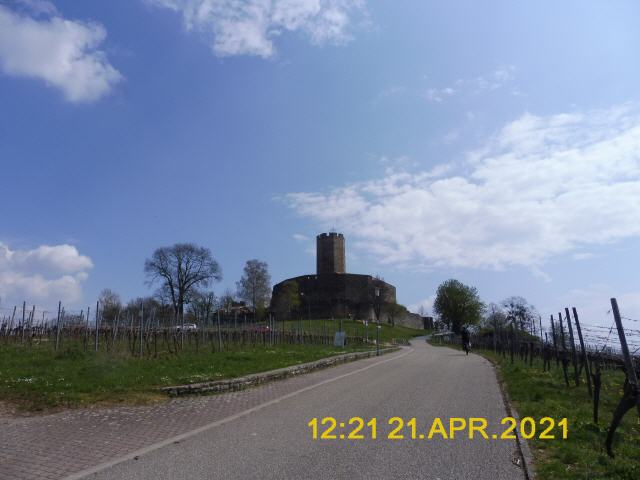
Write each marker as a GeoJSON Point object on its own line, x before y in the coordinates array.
{"type": "Point", "coordinates": [496, 142]}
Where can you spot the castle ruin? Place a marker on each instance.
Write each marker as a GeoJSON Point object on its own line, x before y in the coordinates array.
{"type": "Point", "coordinates": [332, 292]}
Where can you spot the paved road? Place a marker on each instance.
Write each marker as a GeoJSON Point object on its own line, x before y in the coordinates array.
{"type": "Point", "coordinates": [262, 432]}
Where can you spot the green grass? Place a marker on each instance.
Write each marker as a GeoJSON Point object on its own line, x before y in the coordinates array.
{"type": "Point", "coordinates": [354, 328]}
{"type": "Point", "coordinates": [38, 379]}
{"type": "Point", "coordinates": [582, 455]}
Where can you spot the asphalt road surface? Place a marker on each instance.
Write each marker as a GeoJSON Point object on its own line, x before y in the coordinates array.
{"type": "Point", "coordinates": [273, 441]}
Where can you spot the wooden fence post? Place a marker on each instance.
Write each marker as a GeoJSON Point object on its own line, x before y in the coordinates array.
{"type": "Point", "coordinates": [540, 321]}
{"type": "Point", "coordinates": [97, 333]}
{"type": "Point", "coordinates": [511, 341]}
{"type": "Point", "coordinates": [141, 325]}
{"type": "Point", "coordinates": [574, 358]}
{"type": "Point", "coordinates": [564, 351]}
{"type": "Point", "coordinates": [628, 361]}
{"type": "Point", "coordinates": [13, 316]}
{"type": "Point", "coordinates": [630, 396]}
{"type": "Point", "coordinates": [57, 326]}
{"type": "Point", "coordinates": [546, 353]}
{"type": "Point", "coordinates": [597, 383]}
{"type": "Point", "coordinates": [219, 333]}
{"type": "Point", "coordinates": [585, 357]}
{"type": "Point", "coordinates": [22, 323]}
{"type": "Point", "coordinates": [555, 343]}
{"type": "Point", "coordinates": [31, 318]}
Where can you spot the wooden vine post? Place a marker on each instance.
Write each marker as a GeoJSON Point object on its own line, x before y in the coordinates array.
{"type": "Point", "coordinates": [585, 357]}
{"type": "Point", "coordinates": [574, 358]}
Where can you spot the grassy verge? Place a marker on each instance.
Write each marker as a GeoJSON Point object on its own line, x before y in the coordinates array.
{"type": "Point", "coordinates": [37, 379]}
{"type": "Point", "coordinates": [582, 455]}
{"type": "Point", "coordinates": [354, 328]}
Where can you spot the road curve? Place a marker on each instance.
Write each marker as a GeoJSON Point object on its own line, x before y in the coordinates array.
{"type": "Point", "coordinates": [273, 441]}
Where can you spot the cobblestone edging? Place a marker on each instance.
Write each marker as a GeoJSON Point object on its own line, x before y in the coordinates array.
{"type": "Point", "coordinates": [241, 383]}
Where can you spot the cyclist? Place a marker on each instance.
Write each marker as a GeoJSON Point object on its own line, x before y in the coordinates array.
{"type": "Point", "coordinates": [466, 344]}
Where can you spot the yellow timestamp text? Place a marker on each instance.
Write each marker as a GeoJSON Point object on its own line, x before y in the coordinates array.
{"type": "Point", "coordinates": [397, 428]}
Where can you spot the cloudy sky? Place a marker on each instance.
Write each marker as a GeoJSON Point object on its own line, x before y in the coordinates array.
{"type": "Point", "coordinates": [496, 142]}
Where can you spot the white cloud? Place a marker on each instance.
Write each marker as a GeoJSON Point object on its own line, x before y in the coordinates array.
{"type": "Point", "coordinates": [542, 186]}
{"type": "Point", "coordinates": [439, 95]}
{"type": "Point", "coordinates": [64, 53]}
{"type": "Point", "coordinates": [392, 164]}
{"type": "Point", "coordinates": [300, 238]}
{"type": "Point", "coordinates": [497, 79]}
{"type": "Point", "coordinates": [426, 305]}
{"type": "Point", "coordinates": [249, 27]}
{"type": "Point", "coordinates": [42, 275]}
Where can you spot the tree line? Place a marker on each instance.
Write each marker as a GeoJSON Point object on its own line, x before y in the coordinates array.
{"type": "Point", "coordinates": [183, 275]}
{"type": "Point", "coordinates": [459, 305]}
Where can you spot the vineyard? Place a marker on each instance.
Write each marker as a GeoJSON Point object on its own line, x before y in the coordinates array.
{"type": "Point", "coordinates": [580, 371]}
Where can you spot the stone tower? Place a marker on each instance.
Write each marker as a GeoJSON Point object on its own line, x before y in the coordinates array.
{"type": "Point", "coordinates": [330, 253]}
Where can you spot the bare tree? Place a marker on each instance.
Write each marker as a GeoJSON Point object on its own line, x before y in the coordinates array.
{"type": "Point", "coordinates": [181, 269]}
{"type": "Point", "coordinates": [255, 285]}
{"type": "Point", "coordinates": [202, 304]}
{"type": "Point", "coordinates": [519, 312]}
{"type": "Point", "coordinates": [110, 304]}
{"type": "Point", "coordinates": [495, 317]}
{"type": "Point", "coordinates": [227, 300]}
{"type": "Point", "coordinates": [134, 305]}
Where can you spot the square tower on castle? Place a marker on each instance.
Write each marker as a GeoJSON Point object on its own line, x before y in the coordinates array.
{"type": "Point", "coordinates": [330, 253]}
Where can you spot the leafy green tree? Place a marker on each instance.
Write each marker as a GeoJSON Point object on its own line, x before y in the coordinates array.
{"type": "Point", "coordinates": [255, 284]}
{"type": "Point", "coordinates": [458, 304]}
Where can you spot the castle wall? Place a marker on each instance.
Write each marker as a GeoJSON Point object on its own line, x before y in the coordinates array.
{"type": "Point", "coordinates": [337, 295]}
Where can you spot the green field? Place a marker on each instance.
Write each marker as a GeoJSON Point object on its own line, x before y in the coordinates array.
{"type": "Point", "coordinates": [582, 455]}
{"type": "Point", "coordinates": [353, 328]}
{"type": "Point", "coordinates": [36, 378]}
